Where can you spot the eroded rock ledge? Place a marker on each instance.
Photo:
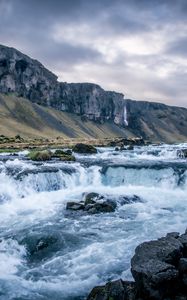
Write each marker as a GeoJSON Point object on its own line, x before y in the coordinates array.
{"type": "Point", "coordinates": [159, 269]}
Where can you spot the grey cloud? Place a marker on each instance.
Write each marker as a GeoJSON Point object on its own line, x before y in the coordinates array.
{"type": "Point", "coordinates": [28, 26]}
{"type": "Point", "coordinates": [178, 47]}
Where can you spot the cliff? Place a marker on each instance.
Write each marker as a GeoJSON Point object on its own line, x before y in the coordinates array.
{"type": "Point", "coordinates": [27, 78]}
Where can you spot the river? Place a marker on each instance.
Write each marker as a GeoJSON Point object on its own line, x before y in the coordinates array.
{"type": "Point", "coordinates": [81, 250]}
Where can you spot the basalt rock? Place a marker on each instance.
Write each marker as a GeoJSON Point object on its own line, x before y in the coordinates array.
{"type": "Point", "coordinates": [93, 203]}
{"type": "Point", "coordinates": [84, 149]}
{"type": "Point", "coordinates": [64, 155]}
{"type": "Point", "coordinates": [182, 153]}
{"type": "Point", "coordinates": [115, 290]}
{"type": "Point", "coordinates": [160, 271]}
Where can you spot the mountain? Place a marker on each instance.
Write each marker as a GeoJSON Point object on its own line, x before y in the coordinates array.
{"type": "Point", "coordinates": [93, 111]}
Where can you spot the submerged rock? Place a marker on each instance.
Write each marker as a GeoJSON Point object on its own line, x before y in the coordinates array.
{"type": "Point", "coordinates": [40, 247]}
{"type": "Point", "coordinates": [84, 149]}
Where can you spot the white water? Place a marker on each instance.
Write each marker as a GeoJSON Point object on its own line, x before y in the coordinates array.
{"type": "Point", "coordinates": [125, 116]}
{"type": "Point", "coordinates": [91, 248]}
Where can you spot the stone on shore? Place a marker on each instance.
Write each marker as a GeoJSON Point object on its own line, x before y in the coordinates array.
{"type": "Point", "coordinates": [84, 149]}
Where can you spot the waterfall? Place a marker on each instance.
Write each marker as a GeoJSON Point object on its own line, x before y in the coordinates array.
{"type": "Point", "coordinates": [125, 116]}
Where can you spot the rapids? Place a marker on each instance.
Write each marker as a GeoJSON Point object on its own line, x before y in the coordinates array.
{"type": "Point", "coordinates": [83, 250]}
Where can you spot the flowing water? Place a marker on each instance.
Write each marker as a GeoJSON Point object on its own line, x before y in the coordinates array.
{"type": "Point", "coordinates": [82, 251]}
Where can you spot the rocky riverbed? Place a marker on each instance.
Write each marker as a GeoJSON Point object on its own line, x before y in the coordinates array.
{"type": "Point", "coordinates": [50, 251]}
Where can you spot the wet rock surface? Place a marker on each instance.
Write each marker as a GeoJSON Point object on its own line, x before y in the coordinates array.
{"type": "Point", "coordinates": [159, 269]}
{"type": "Point", "coordinates": [93, 203]}
{"type": "Point", "coordinates": [116, 290]}
{"type": "Point", "coordinates": [182, 153]}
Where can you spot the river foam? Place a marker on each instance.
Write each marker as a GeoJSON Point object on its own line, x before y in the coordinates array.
{"type": "Point", "coordinates": [87, 249]}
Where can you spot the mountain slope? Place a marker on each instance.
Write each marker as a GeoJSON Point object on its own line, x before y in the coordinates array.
{"type": "Point", "coordinates": [76, 109]}
{"type": "Point", "coordinates": [30, 120]}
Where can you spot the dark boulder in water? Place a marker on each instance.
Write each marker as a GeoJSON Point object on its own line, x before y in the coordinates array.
{"type": "Point", "coordinates": [115, 290]}
{"type": "Point", "coordinates": [84, 149]}
{"type": "Point", "coordinates": [105, 206]}
{"type": "Point", "coordinates": [75, 206]}
{"type": "Point", "coordinates": [154, 267]}
{"type": "Point", "coordinates": [40, 247]}
{"type": "Point", "coordinates": [91, 198]}
{"type": "Point", "coordinates": [40, 155]}
{"type": "Point", "coordinates": [129, 199]}
{"type": "Point", "coordinates": [182, 153]}
{"type": "Point", "coordinates": [93, 203]}
{"type": "Point", "coordinates": [160, 271]}
{"type": "Point", "coordinates": [64, 155]}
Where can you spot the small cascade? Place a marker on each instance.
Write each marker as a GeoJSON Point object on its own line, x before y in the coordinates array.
{"type": "Point", "coordinates": [49, 252]}
{"type": "Point", "coordinates": [125, 116]}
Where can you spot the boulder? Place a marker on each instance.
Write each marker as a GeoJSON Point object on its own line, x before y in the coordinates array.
{"type": "Point", "coordinates": [130, 148]}
{"type": "Point", "coordinates": [40, 247]}
{"type": "Point", "coordinates": [64, 155]}
{"type": "Point", "coordinates": [106, 206]}
{"type": "Point", "coordinates": [91, 198]}
{"type": "Point", "coordinates": [84, 149]}
{"type": "Point", "coordinates": [183, 240]}
{"type": "Point", "coordinates": [93, 203]}
{"type": "Point", "coordinates": [114, 290]}
{"type": "Point", "coordinates": [129, 199]}
{"type": "Point", "coordinates": [40, 155]}
{"type": "Point", "coordinates": [75, 206]}
{"type": "Point", "coordinates": [182, 153]}
{"type": "Point", "coordinates": [154, 267]}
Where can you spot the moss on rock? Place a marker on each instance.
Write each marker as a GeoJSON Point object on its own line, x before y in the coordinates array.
{"type": "Point", "coordinates": [40, 155]}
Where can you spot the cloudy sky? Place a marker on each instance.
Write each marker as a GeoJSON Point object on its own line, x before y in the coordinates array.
{"type": "Point", "coordinates": [138, 47]}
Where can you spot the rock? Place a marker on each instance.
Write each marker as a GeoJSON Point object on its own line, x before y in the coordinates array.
{"type": "Point", "coordinates": [174, 235]}
{"type": "Point", "coordinates": [129, 148]}
{"type": "Point", "coordinates": [183, 240]}
{"type": "Point", "coordinates": [40, 155]}
{"type": "Point", "coordinates": [154, 267]}
{"type": "Point", "coordinates": [67, 158]}
{"type": "Point", "coordinates": [63, 155]}
{"type": "Point", "coordinates": [103, 207]}
{"type": "Point", "coordinates": [114, 290]}
{"type": "Point", "coordinates": [60, 152]}
{"type": "Point", "coordinates": [93, 203]}
{"type": "Point", "coordinates": [183, 265]}
{"type": "Point", "coordinates": [182, 153]}
{"type": "Point", "coordinates": [40, 247]}
{"type": "Point", "coordinates": [84, 149]}
{"type": "Point", "coordinates": [117, 149]}
{"type": "Point", "coordinates": [159, 270]}
{"type": "Point", "coordinates": [91, 198]}
{"type": "Point", "coordinates": [129, 199]}
{"type": "Point", "coordinates": [75, 206]}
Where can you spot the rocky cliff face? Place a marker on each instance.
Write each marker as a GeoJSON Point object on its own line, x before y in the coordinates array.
{"type": "Point", "coordinates": [28, 78]}
{"type": "Point", "coordinates": [25, 77]}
